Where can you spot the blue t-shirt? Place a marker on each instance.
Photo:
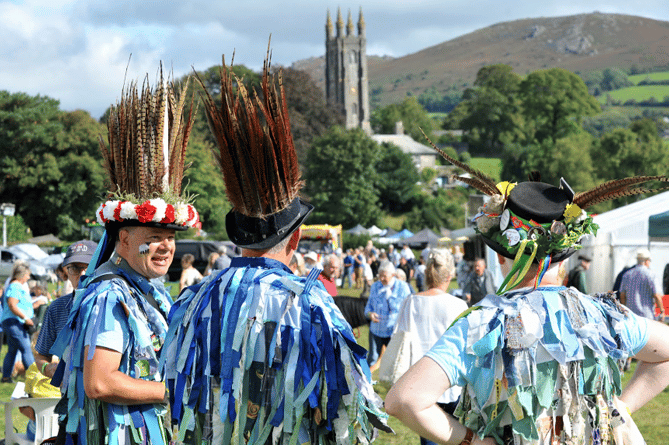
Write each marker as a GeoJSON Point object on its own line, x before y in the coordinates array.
{"type": "Point", "coordinates": [507, 349]}
{"type": "Point", "coordinates": [25, 304]}
{"type": "Point", "coordinates": [386, 302]}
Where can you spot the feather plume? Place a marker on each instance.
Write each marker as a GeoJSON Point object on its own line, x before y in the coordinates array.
{"type": "Point", "coordinates": [255, 148]}
{"type": "Point", "coordinates": [616, 188]}
{"type": "Point", "coordinates": [485, 183]}
{"type": "Point", "coordinates": [134, 159]}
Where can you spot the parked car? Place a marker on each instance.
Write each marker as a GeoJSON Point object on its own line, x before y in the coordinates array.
{"type": "Point", "coordinates": [200, 250]}
{"type": "Point", "coordinates": [39, 261]}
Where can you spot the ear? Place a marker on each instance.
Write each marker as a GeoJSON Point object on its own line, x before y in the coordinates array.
{"type": "Point", "coordinates": [294, 240]}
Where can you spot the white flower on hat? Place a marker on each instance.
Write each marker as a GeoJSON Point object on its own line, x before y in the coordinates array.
{"type": "Point", "coordinates": [98, 213]}
{"type": "Point", "coordinates": [161, 207]}
{"type": "Point", "coordinates": [180, 213]}
{"type": "Point", "coordinates": [108, 211]}
{"type": "Point", "coordinates": [128, 210]}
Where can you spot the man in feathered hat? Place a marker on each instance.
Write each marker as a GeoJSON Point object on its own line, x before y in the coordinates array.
{"type": "Point", "coordinates": [539, 362]}
{"type": "Point", "coordinates": [110, 346]}
{"type": "Point", "coordinates": [256, 354]}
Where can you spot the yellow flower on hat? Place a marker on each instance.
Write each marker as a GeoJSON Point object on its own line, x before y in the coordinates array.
{"type": "Point", "coordinates": [572, 212]}
{"type": "Point", "coordinates": [505, 187]}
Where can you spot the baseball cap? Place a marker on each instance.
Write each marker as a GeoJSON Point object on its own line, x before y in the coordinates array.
{"type": "Point", "coordinates": [80, 252]}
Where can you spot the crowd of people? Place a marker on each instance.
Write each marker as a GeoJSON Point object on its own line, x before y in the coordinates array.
{"type": "Point", "coordinates": [260, 353]}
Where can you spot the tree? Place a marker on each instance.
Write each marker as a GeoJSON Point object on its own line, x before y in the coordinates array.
{"type": "Point", "coordinates": [443, 208]}
{"type": "Point", "coordinates": [554, 101]}
{"type": "Point", "coordinates": [567, 157]}
{"type": "Point", "coordinates": [341, 180]}
{"type": "Point", "coordinates": [490, 112]}
{"type": "Point", "coordinates": [397, 176]}
{"type": "Point", "coordinates": [50, 163]}
{"type": "Point", "coordinates": [412, 115]}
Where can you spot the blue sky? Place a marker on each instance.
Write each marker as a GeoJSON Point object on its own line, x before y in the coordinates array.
{"type": "Point", "coordinates": [77, 51]}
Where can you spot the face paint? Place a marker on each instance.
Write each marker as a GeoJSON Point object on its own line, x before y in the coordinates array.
{"type": "Point", "coordinates": [144, 249]}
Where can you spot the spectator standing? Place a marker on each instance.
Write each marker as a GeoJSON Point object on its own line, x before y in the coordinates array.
{"type": "Point", "coordinates": [311, 261]}
{"type": "Point", "coordinates": [406, 267]}
{"type": "Point", "coordinates": [189, 274]}
{"type": "Point", "coordinates": [76, 261]}
{"type": "Point", "coordinates": [385, 299]}
{"type": "Point", "coordinates": [296, 265]}
{"type": "Point", "coordinates": [419, 273]}
{"type": "Point", "coordinates": [665, 280]}
{"type": "Point", "coordinates": [223, 260]}
{"type": "Point", "coordinates": [329, 273]}
{"type": "Point", "coordinates": [576, 277]}
{"type": "Point", "coordinates": [408, 255]}
{"type": "Point", "coordinates": [211, 261]}
{"type": "Point", "coordinates": [347, 272]}
{"type": "Point", "coordinates": [480, 283]}
{"type": "Point", "coordinates": [360, 261]}
{"type": "Point", "coordinates": [17, 314]}
{"type": "Point", "coordinates": [393, 255]}
{"type": "Point", "coordinates": [637, 289]}
{"type": "Point", "coordinates": [425, 316]}
{"type": "Point", "coordinates": [461, 269]}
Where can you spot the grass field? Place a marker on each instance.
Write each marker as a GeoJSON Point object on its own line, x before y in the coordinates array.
{"type": "Point", "coordinates": [662, 75]}
{"type": "Point", "coordinates": [638, 93]}
{"type": "Point", "coordinates": [652, 419]}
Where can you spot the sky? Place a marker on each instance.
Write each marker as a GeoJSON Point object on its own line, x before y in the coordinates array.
{"type": "Point", "coordinates": [81, 51]}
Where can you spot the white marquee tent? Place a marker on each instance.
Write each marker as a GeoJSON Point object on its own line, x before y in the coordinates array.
{"type": "Point", "coordinates": [621, 233]}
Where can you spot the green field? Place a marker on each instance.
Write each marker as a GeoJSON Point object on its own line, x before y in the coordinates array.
{"type": "Point", "coordinates": [662, 75]}
{"type": "Point", "coordinates": [638, 93]}
{"type": "Point", "coordinates": [490, 166]}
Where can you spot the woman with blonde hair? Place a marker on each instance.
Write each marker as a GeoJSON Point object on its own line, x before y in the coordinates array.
{"type": "Point", "coordinates": [422, 320]}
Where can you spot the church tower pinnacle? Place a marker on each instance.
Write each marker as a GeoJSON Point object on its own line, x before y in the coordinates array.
{"type": "Point", "coordinates": [346, 82]}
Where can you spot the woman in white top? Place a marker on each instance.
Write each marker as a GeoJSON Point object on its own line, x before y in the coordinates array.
{"type": "Point", "coordinates": [425, 316]}
{"type": "Point", "coordinates": [189, 274]}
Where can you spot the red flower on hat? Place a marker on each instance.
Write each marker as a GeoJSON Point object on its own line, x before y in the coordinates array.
{"type": "Point", "coordinates": [117, 211]}
{"type": "Point", "coordinates": [169, 214]}
{"type": "Point", "coordinates": [145, 212]}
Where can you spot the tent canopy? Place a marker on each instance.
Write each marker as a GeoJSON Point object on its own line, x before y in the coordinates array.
{"type": "Point", "coordinates": [357, 230]}
{"type": "Point", "coordinates": [404, 233]}
{"type": "Point", "coordinates": [425, 236]}
{"type": "Point", "coordinates": [658, 225]}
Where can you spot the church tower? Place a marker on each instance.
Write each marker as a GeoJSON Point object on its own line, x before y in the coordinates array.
{"type": "Point", "coordinates": [346, 83]}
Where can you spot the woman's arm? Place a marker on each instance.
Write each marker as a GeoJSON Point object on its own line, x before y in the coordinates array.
{"type": "Point", "coordinates": [652, 372]}
{"type": "Point", "coordinates": [13, 305]}
{"type": "Point", "coordinates": [413, 401]}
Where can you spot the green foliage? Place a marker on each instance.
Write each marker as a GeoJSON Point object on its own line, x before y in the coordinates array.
{"type": "Point", "coordinates": [350, 241]}
{"type": "Point", "coordinates": [605, 122]}
{"type": "Point", "coordinates": [410, 112]}
{"type": "Point", "coordinates": [433, 101]}
{"type": "Point", "coordinates": [610, 79]}
{"type": "Point", "coordinates": [50, 163]}
{"type": "Point", "coordinates": [489, 112]}
{"type": "Point", "coordinates": [443, 208]}
{"type": "Point", "coordinates": [397, 178]}
{"type": "Point", "coordinates": [637, 94]}
{"type": "Point", "coordinates": [427, 175]}
{"type": "Point", "coordinates": [555, 101]}
{"type": "Point", "coordinates": [341, 179]}
{"type": "Point", "coordinates": [17, 231]}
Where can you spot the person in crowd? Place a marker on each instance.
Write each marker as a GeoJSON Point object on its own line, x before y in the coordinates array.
{"type": "Point", "coordinates": [619, 279]}
{"type": "Point", "coordinates": [408, 255]}
{"type": "Point", "coordinates": [211, 261]}
{"type": "Point", "coordinates": [329, 273]}
{"type": "Point", "coordinates": [406, 267]}
{"type": "Point", "coordinates": [367, 278]}
{"type": "Point", "coordinates": [77, 257]}
{"type": "Point", "coordinates": [665, 280]}
{"type": "Point", "coordinates": [17, 314]}
{"type": "Point", "coordinates": [64, 286]}
{"type": "Point", "coordinates": [296, 265]}
{"type": "Point", "coordinates": [113, 391]}
{"type": "Point", "coordinates": [419, 273]}
{"type": "Point", "coordinates": [638, 289]}
{"type": "Point", "coordinates": [189, 274]}
{"type": "Point", "coordinates": [311, 261]}
{"type": "Point", "coordinates": [576, 277]}
{"type": "Point", "coordinates": [425, 316]}
{"type": "Point", "coordinates": [270, 357]}
{"type": "Point", "coordinates": [537, 361]}
{"type": "Point", "coordinates": [347, 271]}
{"type": "Point", "coordinates": [480, 284]}
{"type": "Point", "coordinates": [374, 263]}
{"type": "Point", "coordinates": [393, 255]}
{"type": "Point", "coordinates": [223, 260]}
{"type": "Point", "coordinates": [461, 269]}
{"type": "Point", "coordinates": [360, 262]}
{"type": "Point", "coordinates": [385, 299]}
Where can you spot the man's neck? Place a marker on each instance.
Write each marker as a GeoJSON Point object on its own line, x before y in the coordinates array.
{"type": "Point", "coordinates": [281, 257]}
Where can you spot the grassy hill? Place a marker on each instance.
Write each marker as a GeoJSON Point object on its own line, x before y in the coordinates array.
{"type": "Point", "coordinates": [579, 43]}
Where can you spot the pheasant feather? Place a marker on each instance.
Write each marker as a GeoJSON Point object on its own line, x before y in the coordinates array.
{"type": "Point", "coordinates": [615, 189]}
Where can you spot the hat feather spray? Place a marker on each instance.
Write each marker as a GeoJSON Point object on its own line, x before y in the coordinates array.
{"type": "Point", "coordinates": [148, 134]}
{"type": "Point", "coordinates": [537, 222]}
{"type": "Point", "coordinates": [256, 155]}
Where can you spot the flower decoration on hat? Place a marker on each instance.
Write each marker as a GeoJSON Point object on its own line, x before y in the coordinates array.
{"type": "Point", "coordinates": [144, 161]}
{"type": "Point", "coordinates": [535, 222]}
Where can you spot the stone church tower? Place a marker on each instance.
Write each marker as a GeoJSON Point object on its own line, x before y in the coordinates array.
{"type": "Point", "coordinates": [346, 83]}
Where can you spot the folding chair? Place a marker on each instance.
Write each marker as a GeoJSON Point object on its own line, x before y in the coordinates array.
{"type": "Point", "coordinates": [46, 422]}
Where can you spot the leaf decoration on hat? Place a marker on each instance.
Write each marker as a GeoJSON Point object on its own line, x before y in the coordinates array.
{"type": "Point", "coordinates": [144, 159]}
{"type": "Point", "coordinates": [479, 180]}
{"type": "Point", "coordinates": [255, 150]}
{"type": "Point", "coordinates": [616, 188]}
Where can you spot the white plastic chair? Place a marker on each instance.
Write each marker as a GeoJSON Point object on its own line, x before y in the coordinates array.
{"type": "Point", "coordinates": [46, 422]}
